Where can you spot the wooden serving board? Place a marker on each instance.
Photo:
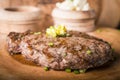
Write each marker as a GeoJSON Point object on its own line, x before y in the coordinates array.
{"type": "Point", "coordinates": [19, 69]}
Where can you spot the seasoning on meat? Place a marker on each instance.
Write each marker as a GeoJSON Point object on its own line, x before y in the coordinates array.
{"type": "Point", "coordinates": [65, 53]}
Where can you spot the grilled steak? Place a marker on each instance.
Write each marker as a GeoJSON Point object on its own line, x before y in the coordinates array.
{"type": "Point", "coordinates": [78, 51]}
{"type": "Point", "coordinates": [14, 39]}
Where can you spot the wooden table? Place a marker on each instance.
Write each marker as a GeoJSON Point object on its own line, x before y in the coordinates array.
{"type": "Point", "coordinates": [14, 69]}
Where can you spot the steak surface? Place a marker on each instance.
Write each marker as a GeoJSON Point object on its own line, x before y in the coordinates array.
{"type": "Point", "coordinates": [77, 51]}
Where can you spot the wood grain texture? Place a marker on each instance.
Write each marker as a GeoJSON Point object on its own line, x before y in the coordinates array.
{"type": "Point", "coordinates": [11, 69]}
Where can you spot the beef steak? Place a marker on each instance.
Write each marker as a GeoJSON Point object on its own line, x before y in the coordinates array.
{"type": "Point", "coordinates": [77, 51]}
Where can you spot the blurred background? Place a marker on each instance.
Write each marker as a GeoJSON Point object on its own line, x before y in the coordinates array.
{"type": "Point", "coordinates": [107, 11]}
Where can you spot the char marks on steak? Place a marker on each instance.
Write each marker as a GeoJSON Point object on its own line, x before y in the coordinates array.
{"type": "Point", "coordinates": [79, 51]}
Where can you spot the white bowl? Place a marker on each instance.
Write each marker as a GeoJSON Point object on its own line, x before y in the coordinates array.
{"type": "Point", "coordinates": [19, 19]}
{"type": "Point", "coordinates": [83, 21]}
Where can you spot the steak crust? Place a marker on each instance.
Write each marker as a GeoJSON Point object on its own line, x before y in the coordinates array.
{"type": "Point", "coordinates": [78, 51]}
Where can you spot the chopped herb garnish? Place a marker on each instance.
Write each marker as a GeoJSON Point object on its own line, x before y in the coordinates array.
{"type": "Point", "coordinates": [83, 71]}
{"type": "Point", "coordinates": [68, 35]}
{"type": "Point", "coordinates": [62, 35]}
{"type": "Point", "coordinates": [65, 54]}
{"type": "Point", "coordinates": [110, 43]}
{"type": "Point", "coordinates": [68, 70]}
{"type": "Point", "coordinates": [51, 44]}
{"type": "Point", "coordinates": [113, 49]}
{"type": "Point", "coordinates": [46, 68]}
{"type": "Point", "coordinates": [76, 72]}
{"type": "Point", "coordinates": [20, 36]}
{"type": "Point", "coordinates": [99, 30]}
{"type": "Point", "coordinates": [37, 33]}
{"type": "Point", "coordinates": [88, 52]}
{"type": "Point", "coordinates": [119, 30]}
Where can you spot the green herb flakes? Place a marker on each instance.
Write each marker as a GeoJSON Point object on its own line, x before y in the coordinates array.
{"type": "Point", "coordinates": [113, 49]}
{"type": "Point", "coordinates": [68, 35]}
{"type": "Point", "coordinates": [110, 43]}
{"type": "Point", "coordinates": [46, 68]}
{"type": "Point", "coordinates": [82, 71]}
{"type": "Point", "coordinates": [37, 33]}
{"type": "Point", "coordinates": [65, 54]}
{"type": "Point", "coordinates": [51, 44]}
{"type": "Point", "coordinates": [88, 52]}
{"type": "Point", "coordinates": [68, 70]}
{"type": "Point", "coordinates": [76, 72]}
